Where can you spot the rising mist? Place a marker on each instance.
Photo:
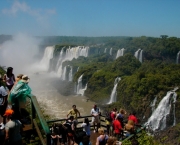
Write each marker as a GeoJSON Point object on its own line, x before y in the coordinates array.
{"type": "Point", "coordinates": [20, 53]}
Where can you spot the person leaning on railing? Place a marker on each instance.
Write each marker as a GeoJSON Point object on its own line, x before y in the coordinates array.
{"type": "Point", "coordinates": [129, 128]}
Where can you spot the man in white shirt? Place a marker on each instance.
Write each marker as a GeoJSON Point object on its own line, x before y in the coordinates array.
{"type": "Point", "coordinates": [95, 112]}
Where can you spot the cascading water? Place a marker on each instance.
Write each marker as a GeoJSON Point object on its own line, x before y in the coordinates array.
{"type": "Point", "coordinates": [178, 58]}
{"type": "Point", "coordinates": [81, 91]}
{"type": "Point", "coordinates": [77, 69]}
{"type": "Point", "coordinates": [157, 121]}
{"type": "Point", "coordinates": [120, 52]}
{"type": "Point", "coordinates": [70, 54]}
{"type": "Point", "coordinates": [138, 54]}
{"type": "Point", "coordinates": [153, 104]}
{"type": "Point", "coordinates": [105, 50]}
{"type": "Point", "coordinates": [48, 55]}
{"type": "Point", "coordinates": [79, 85]}
{"type": "Point", "coordinates": [174, 110]}
{"type": "Point", "coordinates": [64, 73]}
{"type": "Point", "coordinates": [60, 58]}
{"type": "Point", "coordinates": [110, 52]}
{"type": "Point", "coordinates": [114, 92]}
{"type": "Point", "coordinates": [70, 74]}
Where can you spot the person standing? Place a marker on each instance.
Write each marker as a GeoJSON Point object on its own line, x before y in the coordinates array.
{"type": "Point", "coordinates": [74, 112]}
{"type": "Point", "coordinates": [9, 78]}
{"type": "Point", "coordinates": [18, 94]}
{"type": "Point", "coordinates": [69, 124]}
{"type": "Point", "coordinates": [86, 126]}
{"type": "Point", "coordinates": [102, 138]}
{"type": "Point", "coordinates": [95, 112]}
{"type": "Point", "coordinates": [133, 118]}
{"type": "Point", "coordinates": [13, 129]}
{"type": "Point", "coordinates": [3, 100]}
{"type": "Point", "coordinates": [117, 127]}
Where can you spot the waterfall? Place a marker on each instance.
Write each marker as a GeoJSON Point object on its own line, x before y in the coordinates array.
{"type": "Point", "coordinates": [81, 91]}
{"type": "Point", "coordinates": [105, 50]}
{"type": "Point", "coordinates": [178, 58]}
{"type": "Point", "coordinates": [70, 74]}
{"type": "Point", "coordinates": [174, 111]}
{"type": "Point", "coordinates": [77, 69]}
{"type": "Point", "coordinates": [120, 52]}
{"type": "Point", "coordinates": [114, 92]}
{"type": "Point", "coordinates": [60, 58]}
{"type": "Point", "coordinates": [48, 55]}
{"type": "Point", "coordinates": [157, 121]}
{"type": "Point", "coordinates": [79, 84]}
{"type": "Point", "coordinates": [110, 52]}
{"type": "Point", "coordinates": [69, 55]}
{"type": "Point", "coordinates": [64, 73]}
{"type": "Point", "coordinates": [153, 104]}
{"type": "Point", "coordinates": [138, 54]}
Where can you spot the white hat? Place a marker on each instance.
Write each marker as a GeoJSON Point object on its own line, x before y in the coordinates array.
{"type": "Point", "coordinates": [25, 78]}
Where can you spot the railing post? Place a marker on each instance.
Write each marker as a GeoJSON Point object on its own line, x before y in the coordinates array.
{"type": "Point", "coordinates": [33, 113]}
{"type": "Point", "coordinates": [48, 139]}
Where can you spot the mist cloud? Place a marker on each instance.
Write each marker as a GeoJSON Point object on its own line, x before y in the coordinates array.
{"type": "Point", "coordinates": [19, 53]}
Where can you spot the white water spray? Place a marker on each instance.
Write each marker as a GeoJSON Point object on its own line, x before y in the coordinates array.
{"type": "Point", "coordinates": [120, 52]}
{"type": "Point", "coordinates": [114, 92]}
{"type": "Point", "coordinates": [64, 73]}
{"type": "Point", "coordinates": [157, 121]}
{"type": "Point", "coordinates": [152, 105]}
{"type": "Point", "coordinates": [105, 50]}
{"type": "Point", "coordinates": [178, 58]}
{"type": "Point", "coordinates": [70, 54]}
{"type": "Point", "coordinates": [70, 74]}
{"type": "Point", "coordinates": [110, 52]}
{"type": "Point", "coordinates": [138, 54]}
{"type": "Point", "coordinates": [48, 55]}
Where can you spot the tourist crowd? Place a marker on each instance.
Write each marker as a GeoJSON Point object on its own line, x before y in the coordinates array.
{"type": "Point", "coordinates": [13, 93]}
{"type": "Point", "coordinates": [116, 128]}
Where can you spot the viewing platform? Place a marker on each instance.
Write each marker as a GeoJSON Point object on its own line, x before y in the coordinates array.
{"type": "Point", "coordinates": [41, 126]}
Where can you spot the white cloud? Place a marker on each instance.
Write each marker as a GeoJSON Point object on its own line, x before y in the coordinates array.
{"type": "Point", "coordinates": [38, 14]}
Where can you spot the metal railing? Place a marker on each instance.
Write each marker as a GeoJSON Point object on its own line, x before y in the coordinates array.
{"type": "Point", "coordinates": [38, 119]}
{"type": "Point", "coordinates": [39, 123]}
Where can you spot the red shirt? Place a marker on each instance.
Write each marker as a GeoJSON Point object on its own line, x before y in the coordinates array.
{"type": "Point", "coordinates": [133, 118]}
{"type": "Point", "coordinates": [117, 126]}
{"type": "Point", "coordinates": [113, 115]}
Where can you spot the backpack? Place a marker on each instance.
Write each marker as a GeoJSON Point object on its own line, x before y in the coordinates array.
{"type": "Point", "coordinates": [108, 116]}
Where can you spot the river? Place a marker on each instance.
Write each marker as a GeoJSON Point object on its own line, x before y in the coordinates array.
{"type": "Point", "coordinates": [52, 102]}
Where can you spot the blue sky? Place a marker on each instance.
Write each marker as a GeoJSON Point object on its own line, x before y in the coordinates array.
{"type": "Point", "coordinates": [90, 17]}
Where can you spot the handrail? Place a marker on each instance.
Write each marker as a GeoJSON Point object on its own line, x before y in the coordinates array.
{"type": "Point", "coordinates": [36, 110]}
{"type": "Point", "coordinates": [133, 135]}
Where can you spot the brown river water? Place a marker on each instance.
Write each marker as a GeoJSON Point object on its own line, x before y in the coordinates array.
{"type": "Point", "coordinates": [52, 103]}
